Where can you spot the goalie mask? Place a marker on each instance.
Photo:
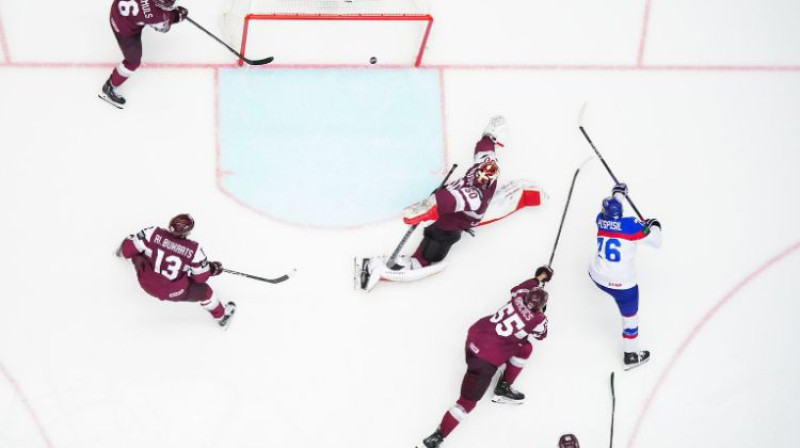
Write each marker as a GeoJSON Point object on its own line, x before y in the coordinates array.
{"type": "Point", "coordinates": [487, 171]}
{"type": "Point", "coordinates": [536, 299]}
{"type": "Point", "coordinates": [166, 5]}
{"type": "Point", "coordinates": [181, 225]}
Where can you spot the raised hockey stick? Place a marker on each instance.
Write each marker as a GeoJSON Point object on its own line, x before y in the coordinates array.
{"type": "Point", "coordinates": [280, 279]}
{"type": "Point", "coordinates": [613, 408]}
{"type": "Point", "coordinates": [249, 61]}
{"type": "Point", "coordinates": [566, 207]}
{"type": "Point", "coordinates": [392, 261]}
{"type": "Point", "coordinates": [585, 135]}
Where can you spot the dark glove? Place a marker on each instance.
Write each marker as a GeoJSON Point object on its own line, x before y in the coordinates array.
{"type": "Point", "coordinates": [215, 268]}
{"type": "Point", "coordinates": [648, 224]}
{"type": "Point", "coordinates": [544, 270]}
{"type": "Point", "coordinates": [182, 13]}
{"type": "Point", "coordinates": [620, 188]}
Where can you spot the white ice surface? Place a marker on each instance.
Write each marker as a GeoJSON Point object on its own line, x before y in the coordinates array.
{"type": "Point", "coordinates": [88, 360]}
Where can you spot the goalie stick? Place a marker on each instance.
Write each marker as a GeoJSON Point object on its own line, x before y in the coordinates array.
{"type": "Point", "coordinates": [280, 279]}
{"type": "Point", "coordinates": [391, 262]}
{"type": "Point", "coordinates": [240, 56]}
{"type": "Point", "coordinates": [586, 135]}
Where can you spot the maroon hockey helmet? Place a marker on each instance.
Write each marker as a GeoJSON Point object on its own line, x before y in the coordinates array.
{"type": "Point", "coordinates": [536, 298]}
{"type": "Point", "coordinates": [181, 225]}
{"type": "Point", "coordinates": [166, 5]}
{"type": "Point", "coordinates": [487, 171]}
{"type": "Point", "coordinates": [568, 441]}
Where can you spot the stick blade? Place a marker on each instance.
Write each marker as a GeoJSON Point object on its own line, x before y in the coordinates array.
{"type": "Point", "coordinates": [260, 61]}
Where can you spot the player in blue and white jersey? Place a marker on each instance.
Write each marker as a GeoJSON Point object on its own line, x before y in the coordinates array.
{"type": "Point", "coordinates": [613, 269]}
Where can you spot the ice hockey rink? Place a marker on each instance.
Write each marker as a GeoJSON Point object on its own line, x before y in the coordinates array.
{"type": "Point", "coordinates": [695, 104]}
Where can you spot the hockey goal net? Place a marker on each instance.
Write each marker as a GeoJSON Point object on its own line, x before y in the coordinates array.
{"type": "Point", "coordinates": [329, 32]}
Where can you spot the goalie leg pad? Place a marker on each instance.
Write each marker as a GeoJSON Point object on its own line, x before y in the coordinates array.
{"type": "Point", "coordinates": [436, 243]}
{"type": "Point", "coordinates": [410, 275]}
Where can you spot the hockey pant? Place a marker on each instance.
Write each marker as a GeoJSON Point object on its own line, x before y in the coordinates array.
{"type": "Point", "coordinates": [435, 245]}
{"type": "Point", "coordinates": [628, 303]}
{"type": "Point", "coordinates": [194, 292]}
{"type": "Point", "coordinates": [132, 51]}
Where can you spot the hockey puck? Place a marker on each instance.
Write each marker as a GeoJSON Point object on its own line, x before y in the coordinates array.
{"type": "Point", "coordinates": [373, 60]}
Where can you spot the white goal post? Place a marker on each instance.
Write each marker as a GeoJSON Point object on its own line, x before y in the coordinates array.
{"type": "Point", "coordinates": [329, 32]}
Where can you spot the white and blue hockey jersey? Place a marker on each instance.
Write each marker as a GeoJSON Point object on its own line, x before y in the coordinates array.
{"type": "Point", "coordinates": [613, 266]}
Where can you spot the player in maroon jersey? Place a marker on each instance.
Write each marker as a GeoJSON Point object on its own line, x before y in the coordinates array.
{"type": "Point", "coordinates": [456, 208]}
{"type": "Point", "coordinates": [494, 341]}
{"type": "Point", "coordinates": [170, 266]}
{"type": "Point", "coordinates": [128, 19]}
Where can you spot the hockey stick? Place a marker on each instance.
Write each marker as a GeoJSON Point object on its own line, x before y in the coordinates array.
{"type": "Point", "coordinates": [391, 262]}
{"type": "Point", "coordinates": [583, 131]}
{"type": "Point", "coordinates": [564, 215]}
{"type": "Point", "coordinates": [280, 279]}
{"type": "Point", "coordinates": [249, 61]}
{"type": "Point", "coordinates": [613, 407]}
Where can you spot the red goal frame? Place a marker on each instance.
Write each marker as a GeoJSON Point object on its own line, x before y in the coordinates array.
{"type": "Point", "coordinates": [377, 17]}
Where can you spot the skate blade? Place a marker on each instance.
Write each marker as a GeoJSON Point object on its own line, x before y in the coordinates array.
{"type": "Point", "coordinates": [633, 366]}
{"type": "Point", "coordinates": [108, 100]}
{"type": "Point", "coordinates": [504, 400]}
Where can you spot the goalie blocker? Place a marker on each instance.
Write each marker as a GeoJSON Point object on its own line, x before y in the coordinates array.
{"type": "Point", "coordinates": [436, 243]}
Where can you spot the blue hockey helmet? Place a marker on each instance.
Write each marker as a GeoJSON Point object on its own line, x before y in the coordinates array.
{"type": "Point", "coordinates": [612, 208]}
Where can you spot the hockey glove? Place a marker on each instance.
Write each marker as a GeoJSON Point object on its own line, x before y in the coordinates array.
{"type": "Point", "coordinates": [496, 129]}
{"type": "Point", "coordinates": [181, 13]}
{"type": "Point", "coordinates": [547, 270]}
{"type": "Point", "coordinates": [215, 268]}
{"type": "Point", "coordinates": [421, 211]}
{"type": "Point", "coordinates": [621, 188]}
{"type": "Point", "coordinates": [649, 224]}
{"type": "Point", "coordinates": [540, 332]}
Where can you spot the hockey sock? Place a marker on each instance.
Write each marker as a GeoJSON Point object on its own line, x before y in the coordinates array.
{"type": "Point", "coordinates": [420, 259]}
{"type": "Point", "coordinates": [213, 306]}
{"type": "Point", "coordinates": [517, 363]}
{"type": "Point", "coordinates": [455, 415]}
{"type": "Point", "coordinates": [630, 333]}
{"type": "Point", "coordinates": [120, 75]}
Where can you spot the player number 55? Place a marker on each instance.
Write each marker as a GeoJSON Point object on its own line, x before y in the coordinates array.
{"type": "Point", "coordinates": [507, 325]}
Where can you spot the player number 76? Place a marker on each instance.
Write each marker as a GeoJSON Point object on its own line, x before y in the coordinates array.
{"type": "Point", "coordinates": [507, 325]}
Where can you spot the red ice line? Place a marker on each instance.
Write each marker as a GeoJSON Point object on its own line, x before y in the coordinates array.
{"type": "Point", "coordinates": [4, 45]}
{"type": "Point", "coordinates": [696, 330]}
{"type": "Point", "coordinates": [643, 37]}
{"type": "Point", "coordinates": [25, 401]}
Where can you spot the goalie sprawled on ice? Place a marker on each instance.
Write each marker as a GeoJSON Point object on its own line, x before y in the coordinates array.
{"type": "Point", "coordinates": [452, 209]}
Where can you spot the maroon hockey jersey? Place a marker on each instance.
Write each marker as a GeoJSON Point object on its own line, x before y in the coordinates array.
{"type": "Point", "coordinates": [170, 262]}
{"type": "Point", "coordinates": [497, 338]}
{"type": "Point", "coordinates": [462, 203]}
{"type": "Point", "coordinates": [128, 17]}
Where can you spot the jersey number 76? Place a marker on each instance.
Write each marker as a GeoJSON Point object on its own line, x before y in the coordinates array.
{"type": "Point", "coordinates": [610, 252]}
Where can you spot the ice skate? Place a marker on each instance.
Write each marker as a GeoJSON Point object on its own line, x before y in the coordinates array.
{"type": "Point", "coordinates": [368, 272]}
{"type": "Point", "coordinates": [225, 321]}
{"type": "Point", "coordinates": [432, 441]}
{"type": "Point", "coordinates": [635, 359]}
{"type": "Point", "coordinates": [504, 393]}
{"type": "Point", "coordinates": [111, 96]}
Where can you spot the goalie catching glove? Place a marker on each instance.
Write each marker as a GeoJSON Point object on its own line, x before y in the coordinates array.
{"type": "Point", "coordinates": [421, 211]}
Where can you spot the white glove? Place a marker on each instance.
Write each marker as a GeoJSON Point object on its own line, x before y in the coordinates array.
{"type": "Point", "coordinates": [497, 128]}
